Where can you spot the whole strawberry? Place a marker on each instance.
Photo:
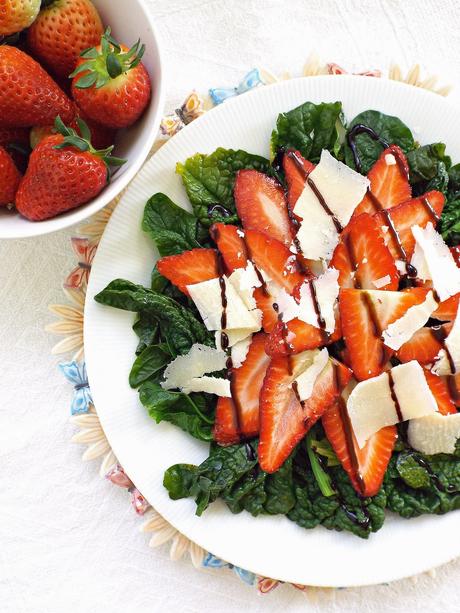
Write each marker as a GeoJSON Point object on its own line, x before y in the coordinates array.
{"type": "Point", "coordinates": [64, 172]}
{"type": "Point", "coordinates": [28, 95]}
{"type": "Point", "coordinates": [15, 15]}
{"type": "Point", "coordinates": [16, 142]}
{"type": "Point", "coordinates": [62, 30]}
{"type": "Point", "coordinates": [110, 83]}
{"type": "Point", "coordinates": [9, 178]}
{"type": "Point", "coordinates": [101, 137]}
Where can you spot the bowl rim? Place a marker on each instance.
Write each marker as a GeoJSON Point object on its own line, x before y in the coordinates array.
{"type": "Point", "coordinates": [109, 193]}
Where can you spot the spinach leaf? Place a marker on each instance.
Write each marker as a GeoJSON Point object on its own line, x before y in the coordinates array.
{"type": "Point", "coordinates": [214, 478]}
{"type": "Point", "coordinates": [411, 472]}
{"type": "Point", "coordinates": [188, 412]}
{"type": "Point", "coordinates": [172, 228]}
{"type": "Point", "coordinates": [309, 128]}
{"type": "Point", "coordinates": [279, 488]}
{"type": "Point", "coordinates": [147, 329]}
{"type": "Point", "coordinates": [449, 224]}
{"type": "Point", "coordinates": [428, 168]}
{"type": "Point", "coordinates": [248, 493]}
{"type": "Point", "coordinates": [148, 363]}
{"type": "Point", "coordinates": [454, 183]}
{"type": "Point", "coordinates": [389, 128]}
{"type": "Point", "coordinates": [409, 501]}
{"type": "Point", "coordinates": [209, 181]}
{"type": "Point", "coordinates": [180, 329]}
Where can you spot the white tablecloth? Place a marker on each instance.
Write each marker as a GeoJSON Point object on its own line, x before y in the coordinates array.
{"type": "Point", "coordinates": [68, 540]}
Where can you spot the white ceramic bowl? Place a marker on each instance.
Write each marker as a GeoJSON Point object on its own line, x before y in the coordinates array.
{"type": "Point", "coordinates": [129, 21]}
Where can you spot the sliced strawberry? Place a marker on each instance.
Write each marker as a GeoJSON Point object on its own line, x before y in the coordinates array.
{"type": "Point", "coordinates": [265, 303]}
{"type": "Point", "coordinates": [389, 182]}
{"type": "Point", "coordinates": [366, 467]}
{"type": "Point", "coordinates": [295, 336]}
{"type": "Point", "coordinates": [453, 383]}
{"type": "Point", "coordinates": [274, 259]}
{"type": "Point", "coordinates": [455, 251]}
{"type": "Point", "coordinates": [440, 391]}
{"type": "Point", "coordinates": [423, 346]}
{"type": "Point", "coordinates": [405, 215]}
{"type": "Point", "coordinates": [238, 417]}
{"type": "Point", "coordinates": [364, 315]}
{"type": "Point", "coordinates": [230, 243]}
{"type": "Point", "coordinates": [284, 420]}
{"type": "Point", "coordinates": [362, 258]}
{"type": "Point", "coordinates": [295, 177]}
{"type": "Point", "coordinates": [225, 430]}
{"type": "Point", "coordinates": [447, 310]}
{"type": "Point", "coordinates": [189, 267]}
{"type": "Point", "coordinates": [261, 205]}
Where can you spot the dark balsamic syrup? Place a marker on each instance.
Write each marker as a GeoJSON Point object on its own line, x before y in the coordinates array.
{"type": "Point", "coordinates": [410, 269]}
{"type": "Point", "coordinates": [353, 261]}
{"type": "Point", "coordinates": [394, 397]}
{"type": "Point", "coordinates": [352, 516]}
{"type": "Point", "coordinates": [449, 489]}
{"type": "Point", "coordinates": [430, 210]}
{"type": "Point", "coordinates": [360, 128]}
{"type": "Point", "coordinates": [219, 209]}
{"type": "Point", "coordinates": [323, 203]}
{"type": "Point", "coordinates": [317, 307]}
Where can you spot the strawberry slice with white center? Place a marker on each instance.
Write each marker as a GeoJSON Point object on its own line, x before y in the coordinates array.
{"type": "Point", "coordinates": [189, 267]}
{"type": "Point", "coordinates": [238, 417]}
{"type": "Point", "coordinates": [295, 336]}
{"type": "Point", "coordinates": [364, 315]}
{"type": "Point", "coordinates": [230, 243]}
{"type": "Point", "coordinates": [389, 182]}
{"type": "Point", "coordinates": [362, 258]}
{"type": "Point", "coordinates": [440, 391]}
{"type": "Point", "coordinates": [418, 211]}
{"type": "Point", "coordinates": [261, 205]}
{"type": "Point", "coordinates": [296, 175]}
{"type": "Point", "coordinates": [284, 420]}
{"type": "Point", "coordinates": [423, 346]}
{"type": "Point", "coordinates": [366, 467]}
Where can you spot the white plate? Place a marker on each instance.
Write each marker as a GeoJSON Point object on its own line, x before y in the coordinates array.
{"type": "Point", "coordinates": [270, 546]}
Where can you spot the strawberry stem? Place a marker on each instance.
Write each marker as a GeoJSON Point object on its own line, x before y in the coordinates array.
{"type": "Point", "coordinates": [82, 142]}
{"type": "Point", "coordinates": [106, 62]}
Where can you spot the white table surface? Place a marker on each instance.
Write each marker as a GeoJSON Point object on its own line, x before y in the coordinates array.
{"type": "Point", "coordinates": [68, 540]}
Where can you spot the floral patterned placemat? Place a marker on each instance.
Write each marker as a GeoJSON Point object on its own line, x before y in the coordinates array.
{"type": "Point", "coordinates": [70, 320]}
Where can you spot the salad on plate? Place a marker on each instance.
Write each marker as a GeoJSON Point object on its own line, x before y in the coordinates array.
{"type": "Point", "coordinates": [303, 319]}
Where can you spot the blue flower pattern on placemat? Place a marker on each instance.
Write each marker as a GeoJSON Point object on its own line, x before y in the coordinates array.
{"type": "Point", "coordinates": [75, 372]}
{"type": "Point", "coordinates": [212, 561]}
{"type": "Point", "coordinates": [250, 81]}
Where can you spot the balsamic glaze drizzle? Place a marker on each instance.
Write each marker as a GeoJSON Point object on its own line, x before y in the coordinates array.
{"type": "Point", "coordinates": [430, 210]}
{"type": "Point", "coordinates": [364, 523]}
{"type": "Point", "coordinates": [219, 209]}
{"type": "Point", "coordinates": [448, 489]}
{"type": "Point", "coordinates": [360, 128]}
{"type": "Point", "coordinates": [440, 335]}
{"type": "Point", "coordinates": [394, 397]}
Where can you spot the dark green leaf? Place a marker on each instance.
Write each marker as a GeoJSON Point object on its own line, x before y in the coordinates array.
{"type": "Point", "coordinates": [423, 161]}
{"type": "Point", "coordinates": [279, 488]}
{"type": "Point", "coordinates": [309, 128]}
{"type": "Point", "coordinates": [411, 472]}
{"type": "Point", "coordinates": [180, 329]}
{"type": "Point", "coordinates": [449, 225]}
{"type": "Point", "coordinates": [389, 128]}
{"type": "Point", "coordinates": [209, 181]}
{"type": "Point", "coordinates": [188, 412]}
{"type": "Point", "coordinates": [214, 478]}
{"type": "Point", "coordinates": [152, 360]}
{"type": "Point", "coordinates": [146, 327]}
{"type": "Point", "coordinates": [172, 228]}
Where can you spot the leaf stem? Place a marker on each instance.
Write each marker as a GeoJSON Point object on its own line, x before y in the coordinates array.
{"type": "Point", "coordinates": [321, 476]}
{"type": "Point", "coordinates": [198, 412]}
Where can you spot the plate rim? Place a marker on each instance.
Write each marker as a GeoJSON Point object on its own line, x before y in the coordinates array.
{"type": "Point", "coordinates": [171, 144]}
